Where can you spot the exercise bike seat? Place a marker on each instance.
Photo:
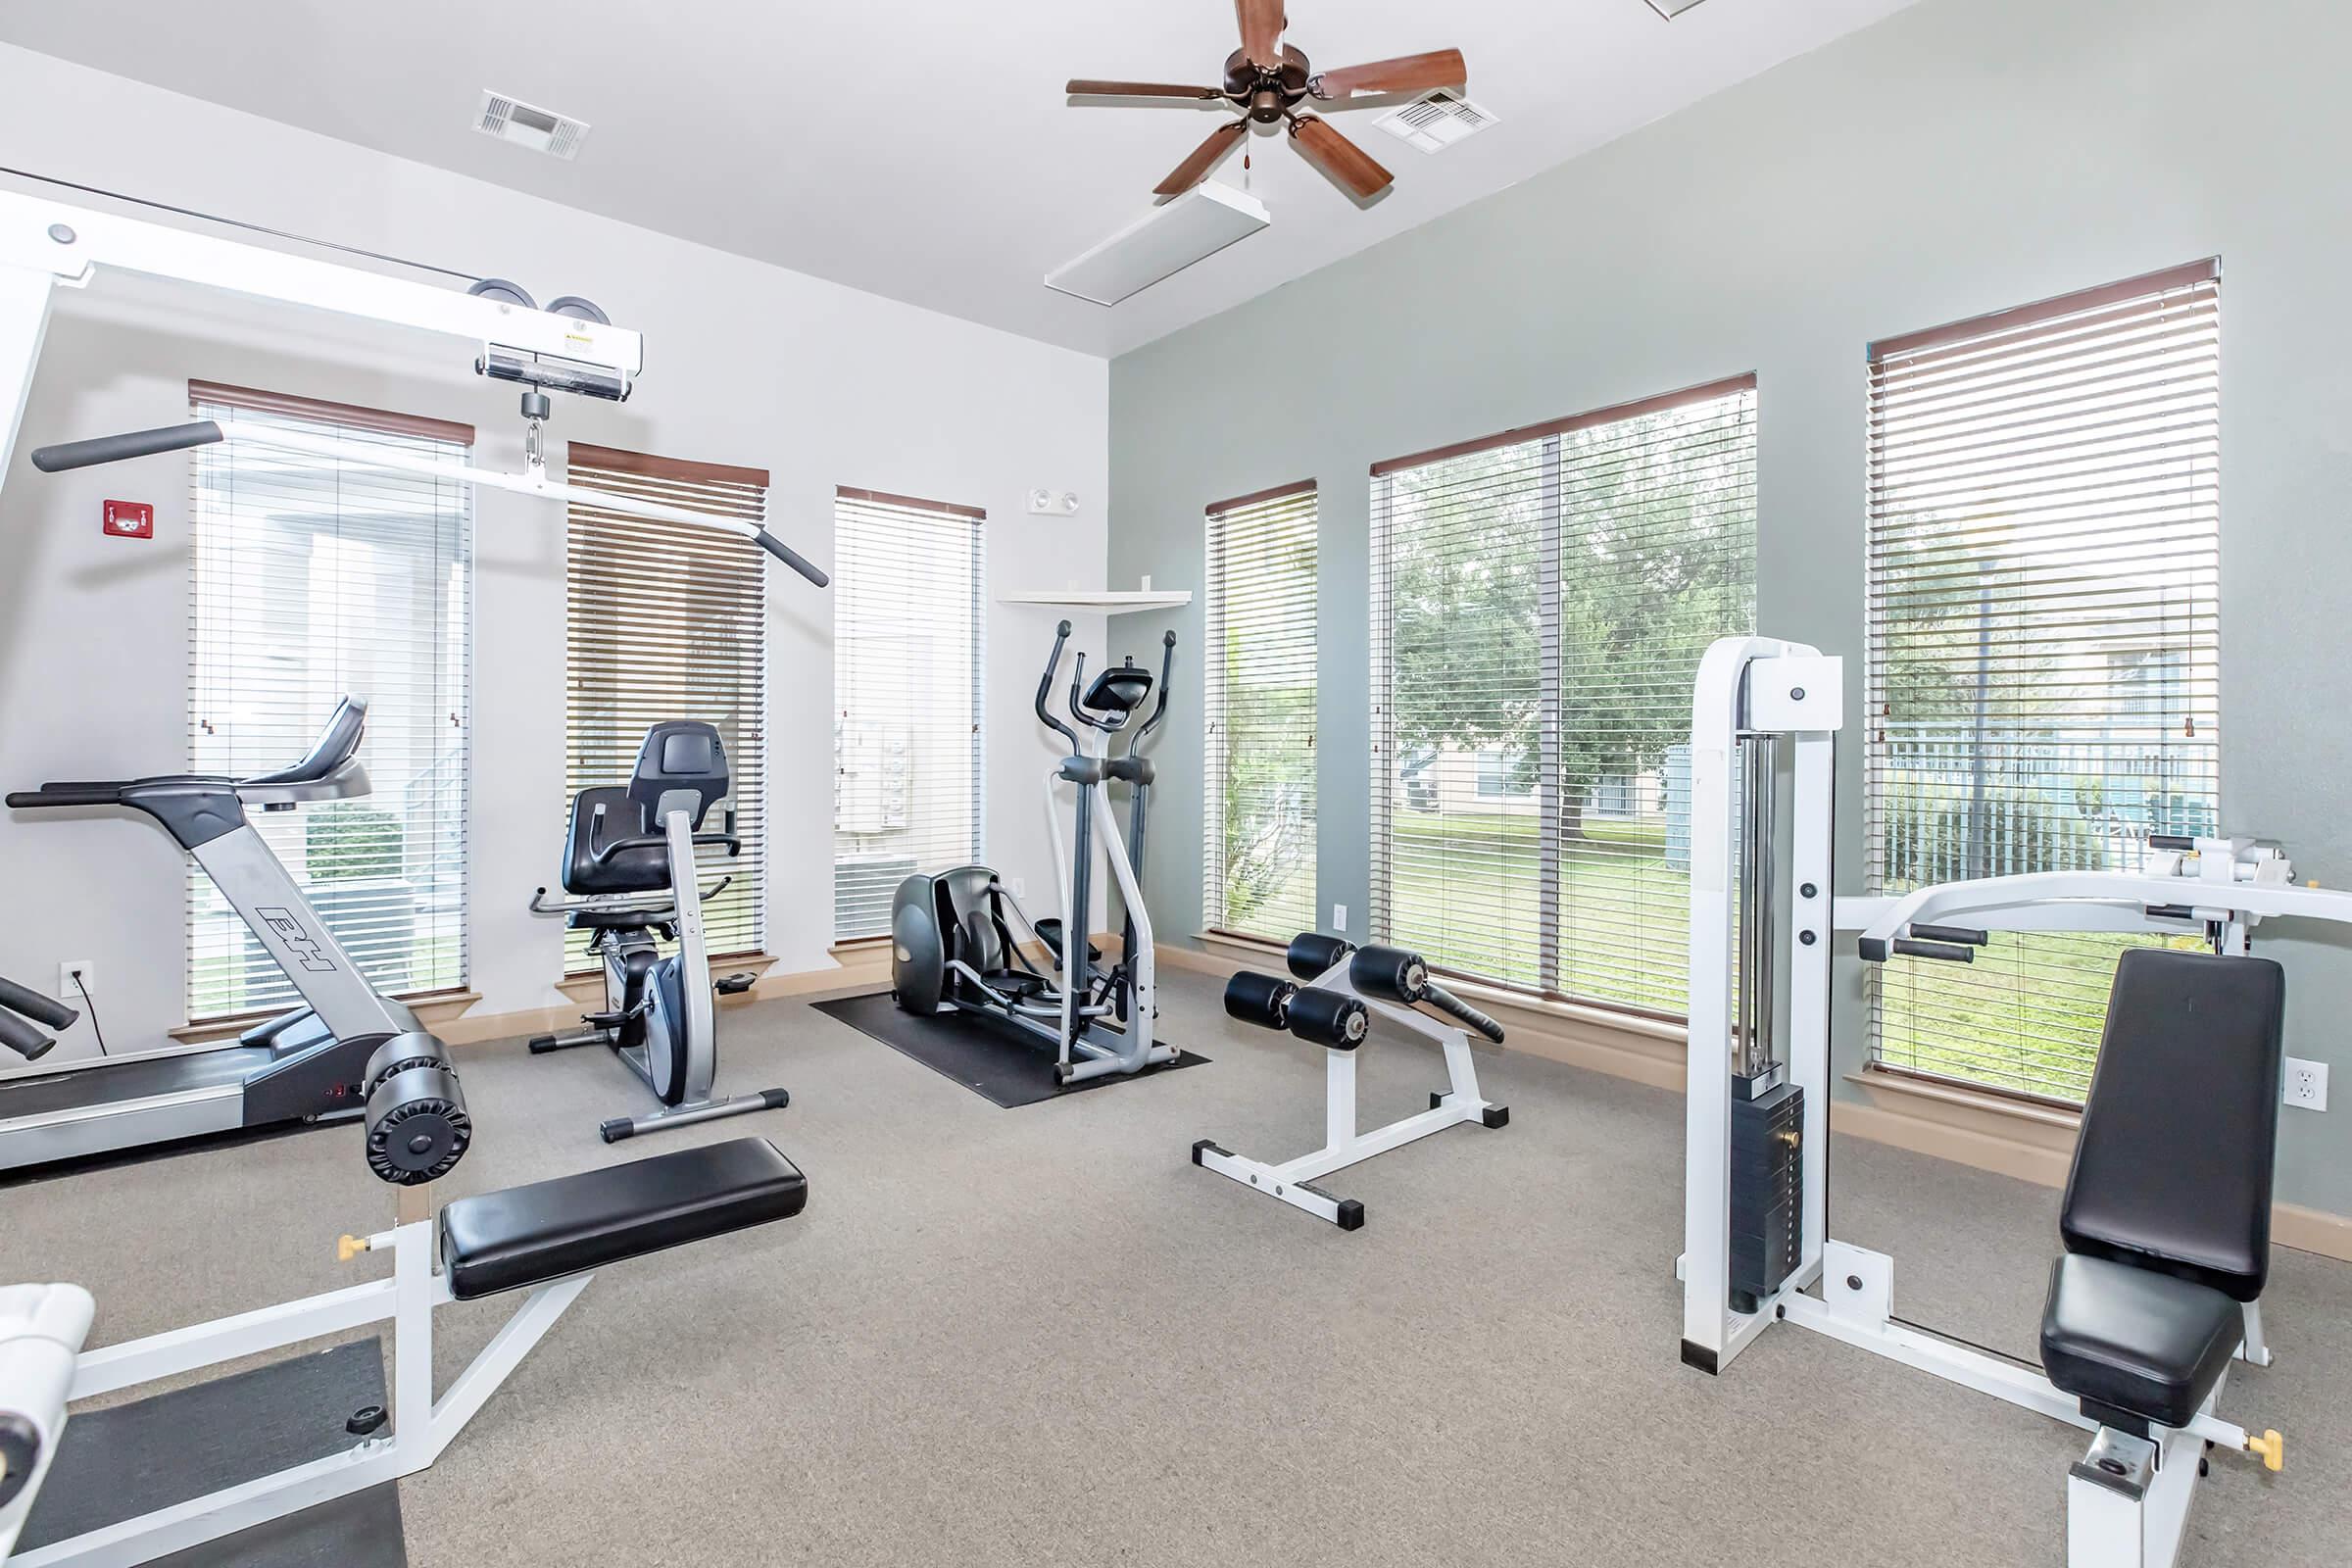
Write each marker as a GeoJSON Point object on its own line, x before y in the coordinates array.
{"type": "Point", "coordinates": [600, 816]}
{"type": "Point", "coordinates": [543, 1231]}
{"type": "Point", "coordinates": [2152, 1345]}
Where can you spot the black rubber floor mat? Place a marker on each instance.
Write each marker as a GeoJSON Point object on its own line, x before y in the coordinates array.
{"type": "Point", "coordinates": [130, 1459]}
{"type": "Point", "coordinates": [991, 1060]}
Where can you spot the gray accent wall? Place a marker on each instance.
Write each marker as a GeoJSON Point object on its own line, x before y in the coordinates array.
{"type": "Point", "coordinates": [1961, 157]}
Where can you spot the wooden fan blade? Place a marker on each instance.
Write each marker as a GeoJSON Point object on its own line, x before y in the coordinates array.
{"type": "Point", "coordinates": [1340, 157]}
{"type": "Point", "coordinates": [1261, 31]}
{"type": "Point", "coordinates": [1440, 68]}
{"type": "Point", "coordinates": [1086, 87]}
{"type": "Point", "coordinates": [1196, 168]}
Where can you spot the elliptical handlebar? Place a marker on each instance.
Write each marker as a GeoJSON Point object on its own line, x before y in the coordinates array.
{"type": "Point", "coordinates": [1045, 685]}
{"type": "Point", "coordinates": [1159, 710]}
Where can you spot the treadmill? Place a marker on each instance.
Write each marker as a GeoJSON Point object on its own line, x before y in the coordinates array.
{"type": "Point", "coordinates": [300, 1066]}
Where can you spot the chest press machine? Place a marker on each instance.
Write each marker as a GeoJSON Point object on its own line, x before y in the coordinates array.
{"type": "Point", "coordinates": [2165, 1223]}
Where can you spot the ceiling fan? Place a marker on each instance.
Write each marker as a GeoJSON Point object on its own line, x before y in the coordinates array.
{"type": "Point", "coordinates": [1267, 80]}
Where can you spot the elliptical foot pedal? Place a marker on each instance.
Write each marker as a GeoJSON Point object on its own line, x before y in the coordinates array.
{"type": "Point", "coordinates": [733, 985]}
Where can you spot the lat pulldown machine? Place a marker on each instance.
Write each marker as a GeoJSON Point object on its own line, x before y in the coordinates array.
{"type": "Point", "coordinates": [1343, 989]}
{"type": "Point", "coordinates": [2165, 1223]}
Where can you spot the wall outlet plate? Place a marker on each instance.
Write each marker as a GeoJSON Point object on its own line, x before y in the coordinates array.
{"type": "Point", "coordinates": [67, 990]}
{"type": "Point", "coordinates": [2306, 1084]}
{"type": "Point", "coordinates": [1339, 919]}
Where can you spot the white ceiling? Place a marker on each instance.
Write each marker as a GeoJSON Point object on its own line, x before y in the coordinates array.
{"type": "Point", "coordinates": [922, 149]}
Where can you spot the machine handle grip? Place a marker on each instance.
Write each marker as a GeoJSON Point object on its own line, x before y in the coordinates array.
{"type": "Point", "coordinates": [65, 794]}
{"type": "Point", "coordinates": [780, 550]}
{"type": "Point", "coordinates": [1159, 711]}
{"type": "Point", "coordinates": [1945, 952]}
{"type": "Point", "coordinates": [1045, 686]}
{"type": "Point", "coordinates": [1966, 935]}
{"type": "Point", "coordinates": [100, 449]}
{"type": "Point", "coordinates": [23, 1038]}
{"type": "Point", "coordinates": [33, 1005]}
{"type": "Point", "coordinates": [1461, 1011]}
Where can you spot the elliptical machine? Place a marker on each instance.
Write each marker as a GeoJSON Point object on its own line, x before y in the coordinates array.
{"type": "Point", "coordinates": [629, 867]}
{"type": "Point", "coordinates": [954, 947]}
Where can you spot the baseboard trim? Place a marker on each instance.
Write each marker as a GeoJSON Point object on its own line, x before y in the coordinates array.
{"type": "Point", "coordinates": [2031, 1143]}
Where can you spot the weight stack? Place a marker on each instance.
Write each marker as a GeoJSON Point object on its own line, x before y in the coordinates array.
{"type": "Point", "coordinates": [1768, 1192]}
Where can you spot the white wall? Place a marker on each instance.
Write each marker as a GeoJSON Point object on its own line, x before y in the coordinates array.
{"type": "Point", "coordinates": [745, 364]}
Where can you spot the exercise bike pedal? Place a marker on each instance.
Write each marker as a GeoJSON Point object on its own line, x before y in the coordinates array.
{"type": "Point", "coordinates": [733, 985]}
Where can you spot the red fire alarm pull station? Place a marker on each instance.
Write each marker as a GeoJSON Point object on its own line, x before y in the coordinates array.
{"type": "Point", "coordinates": [129, 519]}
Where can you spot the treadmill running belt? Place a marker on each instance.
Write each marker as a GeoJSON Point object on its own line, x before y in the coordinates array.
{"type": "Point", "coordinates": [992, 1059]}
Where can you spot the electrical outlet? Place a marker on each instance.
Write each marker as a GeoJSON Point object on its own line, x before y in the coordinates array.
{"type": "Point", "coordinates": [1019, 886]}
{"type": "Point", "coordinates": [2306, 1084]}
{"type": "Point", "coordinates": [67, 990]}
{"type": "Point", "coordinates": [1339, 919]}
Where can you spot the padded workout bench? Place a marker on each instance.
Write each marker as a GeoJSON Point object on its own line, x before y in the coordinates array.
{"type": "Point", "coordinates": [544, 1238]}
{"type": "Point", "coordinates": [2167, 1228]}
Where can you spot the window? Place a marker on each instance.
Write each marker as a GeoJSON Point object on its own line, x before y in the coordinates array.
{"type": "Point", "coordinates": [311, 578]}
{"type": "Point", "coordinates": [908, 662]}
{"type": "Point", "coordinates": [666, 620]}
{"type": "Point", "coordinates": [2043, 659]}
{"type": "Point", "coordinates": [1541, 602]}
{"type": "Point", "coordinates": [1258, 678]}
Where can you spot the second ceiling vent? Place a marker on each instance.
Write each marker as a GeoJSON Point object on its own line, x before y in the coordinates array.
{"type": "Point", "coordinates": [542, 130]}
{"type": "Point", "coordinates": [1435, 120]}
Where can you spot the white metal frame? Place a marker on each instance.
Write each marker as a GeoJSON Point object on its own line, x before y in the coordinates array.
{"type": "Point", "coordinates": [1293, 1180]}
{"type": "Point", "coordinates": [46, 245]}
{"type": "Point", "coordinates": [422, 1424]}
{"type": "Point", "coordinates": [41, 1330]}
{"type": "Point", "coordinates": [2130, 1511]}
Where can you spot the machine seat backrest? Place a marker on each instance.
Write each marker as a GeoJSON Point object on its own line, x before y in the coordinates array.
{"type": "Point", "coordinates": [642, 870]}
{"type": "Point", "coordinates": [2173, 1168]}
{"type": "Point", "coordinates": [680, 759]}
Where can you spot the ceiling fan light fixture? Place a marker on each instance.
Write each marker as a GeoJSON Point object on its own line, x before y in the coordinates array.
{"type": "Point", "coordinates": [1671, 8]}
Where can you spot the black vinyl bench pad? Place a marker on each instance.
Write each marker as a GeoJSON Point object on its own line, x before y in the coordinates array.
{"type": "Point", "coordinates": [2131, 1339]}
{"type": "Point", "coordinates": [529, 1235]}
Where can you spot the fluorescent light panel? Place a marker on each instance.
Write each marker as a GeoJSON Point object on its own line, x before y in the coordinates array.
{"type": "Point", "coordinates": [1165, 240]}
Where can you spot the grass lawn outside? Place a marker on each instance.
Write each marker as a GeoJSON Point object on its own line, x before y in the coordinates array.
{"type": "Point", "coordinates": [1467, 894]}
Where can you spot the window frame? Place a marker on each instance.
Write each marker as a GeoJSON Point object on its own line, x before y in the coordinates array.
{"type": "Point", "coordinates": [1272, 507]}
{"type": "Point", "coordinates": [343, 419]}
{"type": "Point", "coordinates": [591, 532]}
{"type": "Point", "coordinates": [1554, 530]}
{"type": "Point", "coordinates": [951, 518]}
{"type": "Point", "coordinates": [2063, 425]}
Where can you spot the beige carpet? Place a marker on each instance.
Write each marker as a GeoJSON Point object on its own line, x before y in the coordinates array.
{"type": "Point", "coordinates": [1043, 1336]}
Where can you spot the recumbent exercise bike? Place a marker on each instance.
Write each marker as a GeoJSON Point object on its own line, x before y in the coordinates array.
{"type": "Point", "coordinates": [629, 868]}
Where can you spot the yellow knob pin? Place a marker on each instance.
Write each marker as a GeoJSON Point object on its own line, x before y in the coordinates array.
{"type": "Point", "coordinates": [2273, 1449]}
{"type": "Point", "coordinates": [348, 1248]}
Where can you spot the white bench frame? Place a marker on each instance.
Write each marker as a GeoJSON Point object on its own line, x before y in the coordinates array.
{"type": "Point", "coordinates": [421, 1425]}
{"type": "Point", "coordinates": [1293, 1180]}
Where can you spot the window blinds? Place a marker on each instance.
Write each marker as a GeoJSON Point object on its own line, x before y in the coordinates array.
{"type": "Point", "coordinates": [1541, 602]}
{"type": "Point", "coordinates": [1259, 674]}
{"type": "Point", "coordinates": [668, 622]}
{"type": "Point", "coordinates": [2043, 653]}
{"type": "Point", "coordinates": [311, 578]}
{"type": "Point", "coordinates": [908, 668]}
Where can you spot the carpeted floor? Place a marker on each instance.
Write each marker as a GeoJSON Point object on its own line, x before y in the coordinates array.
{"type": "Point", "coordinates": [1043, 1336]}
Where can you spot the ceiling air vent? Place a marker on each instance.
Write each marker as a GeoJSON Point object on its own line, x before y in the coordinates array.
{"type": "Point", "coordinates": [542, 130]}
{"type": "Point", "coordinates": [1435, 120]}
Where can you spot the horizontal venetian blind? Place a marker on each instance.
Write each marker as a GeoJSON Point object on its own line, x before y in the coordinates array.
{"type": "Point", "coordinates": [1541, 602]}
{"type": "Point", "coordinates": [908, 662]}
{"type": "Point", "coordinates": [666, 620]}
{"type": "Point", "coordinates": [2043, 642]}
{"type": "Point", "coordinates": [1260, 679]}
{"type": "Point", "coordinates": [312, 578]}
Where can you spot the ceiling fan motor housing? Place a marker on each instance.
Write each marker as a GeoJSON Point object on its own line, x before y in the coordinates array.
{"type": "Point", "coordinates": [1265, 95]}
